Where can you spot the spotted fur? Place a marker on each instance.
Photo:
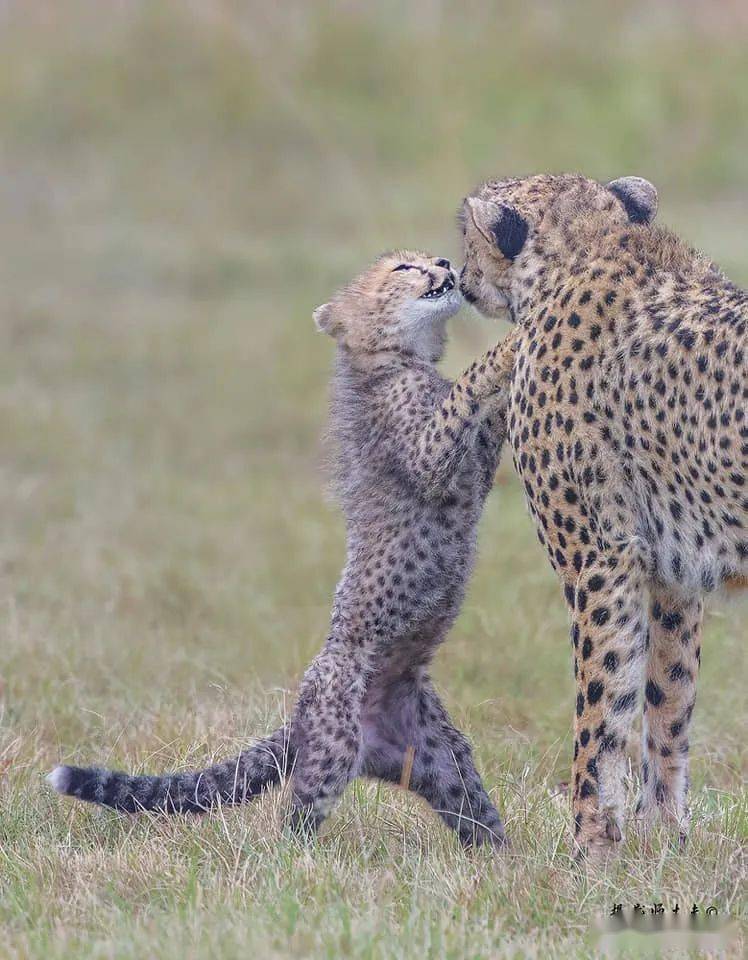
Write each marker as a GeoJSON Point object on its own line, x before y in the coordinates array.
{"type": "Point", "coordinates": [627, 422]}
{"type": "Point", "coordinates": [416, 456]}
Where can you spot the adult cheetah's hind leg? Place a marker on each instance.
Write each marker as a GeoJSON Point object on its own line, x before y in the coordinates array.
{"type": "Point", "coordinates": [672, 669]}
{"type": "Point", "coordinates": [410, 739]}
{"type": "Point", "coordinates": [609, 629]}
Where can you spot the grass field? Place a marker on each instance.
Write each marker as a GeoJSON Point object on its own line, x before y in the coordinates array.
{"type": "Point", "coordinates": [180, 185]}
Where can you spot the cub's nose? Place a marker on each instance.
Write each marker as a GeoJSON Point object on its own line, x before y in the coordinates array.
{"type": "Point", "coordinates": [443, 263]}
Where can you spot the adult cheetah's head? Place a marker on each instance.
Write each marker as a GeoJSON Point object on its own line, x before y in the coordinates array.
{"type": "Point", "coordinates": [511, 226]}
{"type": "Point", "coordinates": [400, 304]}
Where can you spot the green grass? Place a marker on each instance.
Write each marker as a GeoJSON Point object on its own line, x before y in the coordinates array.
{"type": "Point", "coordinates": [181, 184]}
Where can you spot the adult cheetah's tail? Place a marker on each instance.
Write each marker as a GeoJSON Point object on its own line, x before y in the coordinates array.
{"type": "Point", "coordinates": [233, 781]}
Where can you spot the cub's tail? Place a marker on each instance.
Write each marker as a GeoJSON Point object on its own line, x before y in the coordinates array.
{"type": "Point", "coordinates": [233, 781]}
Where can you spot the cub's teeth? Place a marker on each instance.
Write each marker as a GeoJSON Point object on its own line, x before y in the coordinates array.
{"type": "Point", "coordinates": [439, 291]}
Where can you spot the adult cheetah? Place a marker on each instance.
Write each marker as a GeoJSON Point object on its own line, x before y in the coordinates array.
{"type": "Point", "coordinates": [416, 457]}
{"type": "Point", "coordinates": [628, 428]}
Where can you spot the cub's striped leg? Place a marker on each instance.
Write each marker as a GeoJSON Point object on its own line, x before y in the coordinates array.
{"type": "Point", "coordinates": [410, 739]}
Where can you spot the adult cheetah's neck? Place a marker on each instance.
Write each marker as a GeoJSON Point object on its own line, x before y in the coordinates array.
{"type": "Point", "coordinates": [647, 253]}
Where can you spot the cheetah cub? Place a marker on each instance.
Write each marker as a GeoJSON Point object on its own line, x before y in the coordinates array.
{"type": "Point", "coordinates": [416, 456]}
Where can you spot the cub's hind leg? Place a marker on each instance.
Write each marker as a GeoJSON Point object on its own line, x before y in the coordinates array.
{"type": "Point", "coordinates": [410, 739]}
{"type": "Point", "coordinates": [325, 734]}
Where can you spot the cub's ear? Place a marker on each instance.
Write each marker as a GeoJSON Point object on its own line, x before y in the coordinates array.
{"type": "Point", "coordinates": [324, 319]}
{"type": "Point", "coordinates": [638, 196]}
{"type": "Point", "coordinates": [501, 225]}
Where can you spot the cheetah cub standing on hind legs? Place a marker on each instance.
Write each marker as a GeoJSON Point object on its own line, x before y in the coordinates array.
{"type": "Point", "coordinates": [416, 457]}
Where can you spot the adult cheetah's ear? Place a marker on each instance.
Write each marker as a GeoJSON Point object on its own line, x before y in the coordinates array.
{"type": "Point", "coordinates": [638, 197]}
{"type": "Point", "coordinates": [501, 225]}
{"type": "Point", "coordinates": [324, 319]}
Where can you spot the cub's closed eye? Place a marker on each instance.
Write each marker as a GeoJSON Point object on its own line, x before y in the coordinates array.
{"type": "Point", "coordinates": [403, 266]}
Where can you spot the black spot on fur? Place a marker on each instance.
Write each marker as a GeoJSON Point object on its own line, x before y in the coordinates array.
{"type": "Point", "coordinates": [654, 693]}
{"type": "Point", "coordinates": [672, 620]}
{"type": "Point", "coordinates": [625, 702]}
{"type": "Point", "coordinates": [588, 789]}
{"type": "Point", "coordinates": [610, 662]}
{"type": "Point", "coordinates": [600, 616]}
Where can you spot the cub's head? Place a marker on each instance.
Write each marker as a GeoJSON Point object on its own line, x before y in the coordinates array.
{"type": "Point", "coordinates": [400, 304]}
{"type": "Point", "coordinates": [512, 227]}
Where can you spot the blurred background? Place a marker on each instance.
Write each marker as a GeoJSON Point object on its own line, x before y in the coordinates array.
{"type": "Point", "coordinates": [181, 183]}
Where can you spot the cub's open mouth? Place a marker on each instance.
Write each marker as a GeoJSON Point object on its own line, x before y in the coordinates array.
{"type": "Point", "coordinates": [439, 291]}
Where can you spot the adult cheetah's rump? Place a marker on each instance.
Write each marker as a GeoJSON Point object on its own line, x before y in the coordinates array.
{"type": "Point", "coordinates": [628, 427]}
